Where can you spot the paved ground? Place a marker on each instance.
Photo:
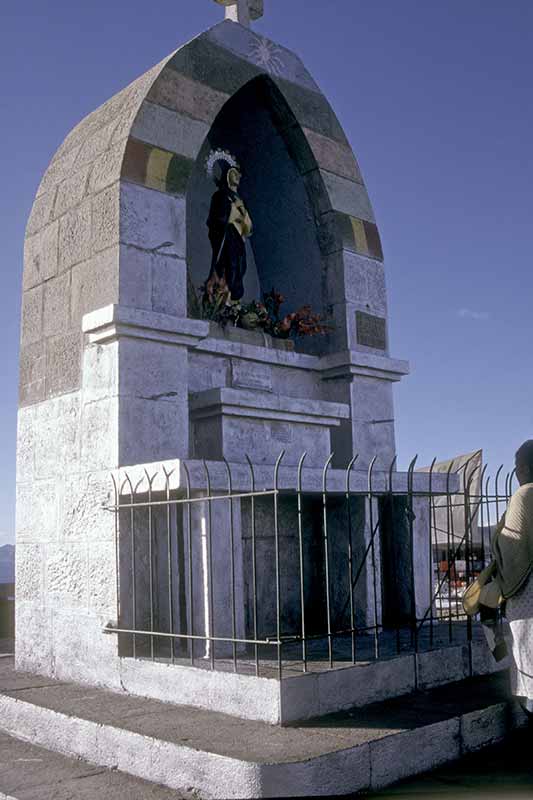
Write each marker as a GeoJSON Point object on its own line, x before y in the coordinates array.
{"type": "Point", "coordinates": [31, 773]}
{"type": "Point", "coordinates": [503, 771]}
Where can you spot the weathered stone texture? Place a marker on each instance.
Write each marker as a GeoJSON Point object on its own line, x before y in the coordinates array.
{"type": "Point", "coordinates": [36, 511]}
{"type": "Point", "coordinates": [97, 452]}
{"type": "Point", "coordinates": [94, 284]}
{"type": "Point", "coordinates": [67, 574]}
{"type": "Point", "coordinates": [63, 364]}
{"type": "Point", "coordinates": [84, 500]}
{"type": "Point", "coordinates": [162, 127]}
{"type": "Point", "coordinates": [34, 649]}
{"type": "Point", "coordinates": [102, 577]}
{"type": "Point", "coordinates": [105, 219]}
{"type": "Point", "coordinates": [148, 219]}
{"type": "Point", "coordinates": [59, 169]}
{"type": "Point", "coordinates": [53, 430]}
{"type": "Point", "coordinates": [95, 144]}
{"type": "Point", "coordinates": [75, 236]}
{"type": "Point", "coordinates": [40, 256]}
{"type": "Point", "coordinates": [41, 212]}
{"type": "Point", "coordinates": [29, 572]}
{"type": "Point", "coordinates": [106, 169]}
{"type": "Point", "coordinates": [32, 316]}
{"type": "Point", "coordinates": [347, 196]}
{"type": "Point", "coordinates": [180, 93]}
{"type": "Point", "coordinates": [71, 191]}
{"type": "Point", "coordinates": [208, 372]}
{"type": "Point", "coordinates": [56, 308]}
{"type": "Point", "coordinates": [333, 157]}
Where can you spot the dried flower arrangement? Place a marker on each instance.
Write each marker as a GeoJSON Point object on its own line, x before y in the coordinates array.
{"type": "Point", "coordinates": [263, 316]}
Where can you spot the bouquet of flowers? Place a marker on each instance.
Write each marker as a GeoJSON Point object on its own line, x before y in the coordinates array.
{"type": "Point", "coordinates": [266, 316]}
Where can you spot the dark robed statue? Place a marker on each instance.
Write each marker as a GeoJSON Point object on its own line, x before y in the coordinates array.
{"type": "Point", "coordinates": [229, 226]}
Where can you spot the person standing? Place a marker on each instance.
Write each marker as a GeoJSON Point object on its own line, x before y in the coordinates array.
{"type": "Point", "coordinates": [512, 581]}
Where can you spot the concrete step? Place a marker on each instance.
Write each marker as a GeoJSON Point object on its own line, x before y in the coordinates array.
{"type": "Point", "coordinates": [224, 757]}
{"type": "Point", "coordinates": [28, 772]}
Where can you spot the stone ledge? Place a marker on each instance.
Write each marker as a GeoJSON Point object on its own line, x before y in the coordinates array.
{"type": "Point", "coordinates": [254, 404]}
{"type": "Point", "coordinates": [114, 321]}
{"type": "Point", "coordinates": [312, 478]}
{"type": "Point", "coordinates": [353, 362]}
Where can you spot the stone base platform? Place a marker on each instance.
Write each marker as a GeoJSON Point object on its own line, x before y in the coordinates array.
{"type": "Point", "coordinates": [223, 757]}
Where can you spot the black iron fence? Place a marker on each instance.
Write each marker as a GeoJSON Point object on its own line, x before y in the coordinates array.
{"type": "Point", "coordinates": [271, 570]}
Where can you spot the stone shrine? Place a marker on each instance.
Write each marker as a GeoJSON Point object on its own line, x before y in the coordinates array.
{"type": "Point", "coordinates": [117, 371]}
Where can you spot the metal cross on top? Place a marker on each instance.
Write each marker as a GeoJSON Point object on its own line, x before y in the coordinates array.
{"type": "Point", "coordinates": [242, 11]}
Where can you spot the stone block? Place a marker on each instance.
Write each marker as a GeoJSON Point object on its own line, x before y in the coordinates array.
{"type": "Point", "coordinates": [75, 236]}
{"type": "Point", "coordinates": [169, 130]}
{"type": "Point", "coordinates": [31, 393]}
{"type": "Point", "coordinates": [83, 500]}
{"type": "Point", "coordinates": [103, 577]}
{"type": "Point", "coordinates": [434, 670]}
{"type": "Point", "coordinates": [348, 196]}
{"type": "Point", "coordinates": [169, 285]}
{"type": "Point", "coordinates": [25, 443]}
{"type": "Point", "coordinates": [422, 749]}
{"type": "Point", "coordinates": [96, 143]}
{"type": "Point", "coordinates": [311, 110]}
{"type": "Point", "coordinates": [263, 53]}
{"type": "Point", "coordinates": [94, 284]}
{"type": "Point", "coordinates": [345, 772]}
{"type": "Point", "coordinates": [56, 305]}
{"type": "Point", "coordinates": [332, 156]}
{"type": "Point", "coordinates": [105, 218]}
{"type": "Point", "coordinates": [40, 256]}
{"type": "Point", "coordinates": [29, 572]}
{"type": "Point", "coordinates": [41, 212]}
{"type": "Point", "coordinates": [33, 651]}
{"type": "Point", "coordinates": [374, 438]}
{"type": "Point", "coordinates": [71, 191]}
{"type": "Point", "coordinates": [182, 94]}
{"type": "Point", "coordinates": [99, 453]}
{"type": "Point", "coordinates": [152, 371]}
{"type": "Point", "coordinates": [208, 63]}
{"type": "Point", "coordinates": [32, 316]}
{"type": "Point", "coordinates": [152, 430]}
{"type": "Point", "coordinates": [59, 169]}
{"type": "Point", "coordinates": [36, 518]}
{"type": "Point", "coordinates": [299, 697]}
{"type": "Point", "coordinates": [135, 279]}
{"type": "Point", "coordinates": [364, 283]}
{"type": "Point", "coordinates": [484, 727]}
{"type": "Point", "coordinates": [250, 375]}
{"type": "Point", "coordinates": [208, 372]}
{"type": "Point", "coordinates": [150, 219]}
{"type": "Point", "coordinates": [107, 168]}
{"type": "Point", "coordinates": [66, 572]}
{"type": "Point", "coordinates": [363, 684]}
{"type": "Point", "coordinates": [32, 363]}
{"type": "Point", "coordinates": [100, 371]}
{"type": "Point", "coordinates": [55, 432]}
{"type": "Point", "coordinates": [371, 400]}
{"type": "Point", "coordinates": [63, 364]}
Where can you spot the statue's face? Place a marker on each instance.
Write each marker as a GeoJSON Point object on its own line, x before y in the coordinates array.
{"type": "Point", "coordinates": [234, 178]}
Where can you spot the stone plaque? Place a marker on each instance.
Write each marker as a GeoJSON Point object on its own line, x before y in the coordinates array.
{"type": "Point", "coordinates": [250, 375]}
{"type": "Point", "coordinates": [281, 432]}
{"type": "Point", "coordinates": [371, 330]}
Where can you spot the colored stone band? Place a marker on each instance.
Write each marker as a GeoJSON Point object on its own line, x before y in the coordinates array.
{"type": "Point", "coordinates": [155, 168]}
{"type": "Point", "coordinates": [360, 236]}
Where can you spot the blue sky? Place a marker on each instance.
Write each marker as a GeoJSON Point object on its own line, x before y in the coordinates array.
{"type": "Point", "coordinates": [436, 99]}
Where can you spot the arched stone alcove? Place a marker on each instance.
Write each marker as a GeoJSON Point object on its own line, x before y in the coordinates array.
{"type": "Point", "coordinates": [258, 127]}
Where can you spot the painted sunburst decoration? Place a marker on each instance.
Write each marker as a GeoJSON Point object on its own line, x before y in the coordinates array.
{"type": "Point", "coordinates": [267, 55]}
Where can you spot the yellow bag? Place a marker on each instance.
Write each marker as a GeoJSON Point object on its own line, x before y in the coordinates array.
{"type": "Point", "coordinates": [482, 591]}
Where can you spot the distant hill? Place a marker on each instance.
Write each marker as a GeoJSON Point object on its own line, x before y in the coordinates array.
{"type": "Point", "coordinates": [7, 563]}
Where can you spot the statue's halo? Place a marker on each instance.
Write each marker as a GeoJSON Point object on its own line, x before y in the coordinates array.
{"type": "Point", "coordinates": [219, 155]}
